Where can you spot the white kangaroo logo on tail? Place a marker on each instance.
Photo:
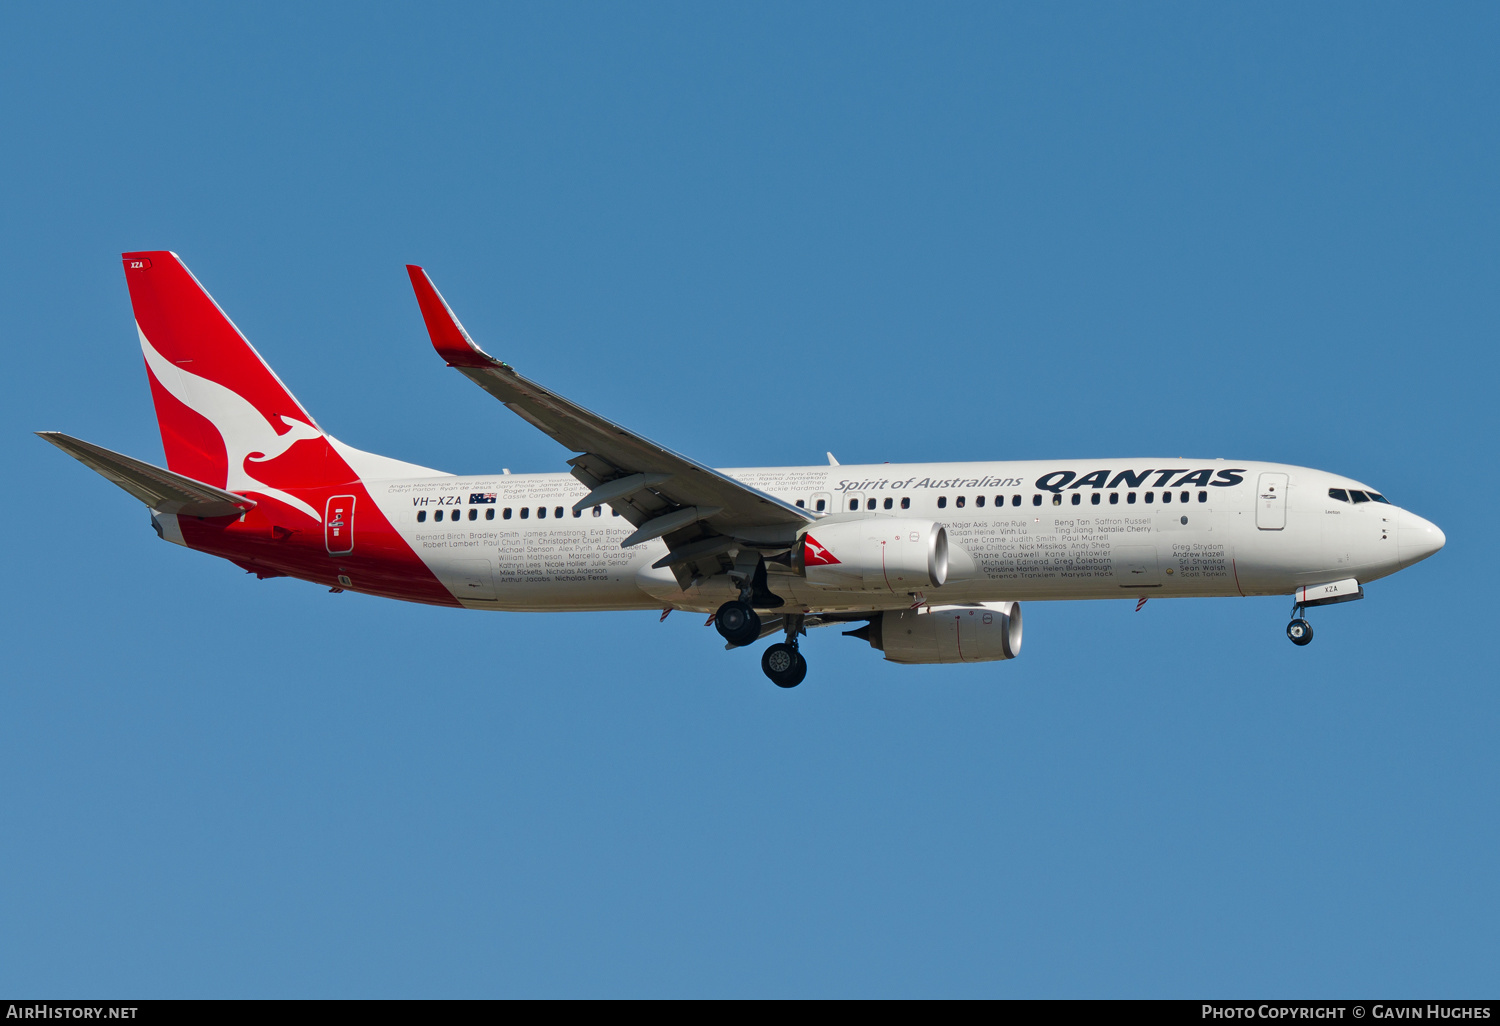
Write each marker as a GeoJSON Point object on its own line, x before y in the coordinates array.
{"type": "Point", "coordinates": [247, 433]}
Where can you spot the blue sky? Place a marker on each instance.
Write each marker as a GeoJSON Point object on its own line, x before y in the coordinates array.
{"type": "Point", "coordinates": [755, 234]}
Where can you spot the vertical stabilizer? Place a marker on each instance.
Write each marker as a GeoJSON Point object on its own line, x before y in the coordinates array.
{"type": "Point", "coordinates": [225, 417]}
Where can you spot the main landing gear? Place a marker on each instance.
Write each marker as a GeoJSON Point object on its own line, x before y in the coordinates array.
{"type": "Point", "coordinates": [739, 624]}
{"type": "Point", "coordinates": [782, 662]}
{"type": "Point", "coordinates": [784, 665]}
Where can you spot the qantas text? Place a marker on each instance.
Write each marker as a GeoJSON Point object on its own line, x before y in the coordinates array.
{"type": "Point", "coordinates": [1060, 479]}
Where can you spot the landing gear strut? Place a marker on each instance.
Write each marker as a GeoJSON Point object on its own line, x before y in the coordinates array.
{"type": "Point", "coordinates": [1299, 630]}
{"type": "Point", "coordinates": [737, 623]}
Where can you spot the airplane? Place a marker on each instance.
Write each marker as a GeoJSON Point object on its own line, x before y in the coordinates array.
{"type": "Point", "coordinates": [932, 560]}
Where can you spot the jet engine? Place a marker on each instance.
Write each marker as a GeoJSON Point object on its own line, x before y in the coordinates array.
{"type": "Point", "coordinates": [946, 634]}
{"type": "Point", "coordinates": [875, 554]}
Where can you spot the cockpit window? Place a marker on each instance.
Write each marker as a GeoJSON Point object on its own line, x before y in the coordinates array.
{"type": "Point", "coordinates": [1378, 497]}
{"type": "Point", "coordinates": [1358, 496]}
{"type": "Point", "coordinates": [1339, 494]}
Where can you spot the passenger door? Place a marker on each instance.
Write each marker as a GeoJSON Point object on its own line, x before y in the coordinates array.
{"type": "Point", "coordinates": [1270, 502]}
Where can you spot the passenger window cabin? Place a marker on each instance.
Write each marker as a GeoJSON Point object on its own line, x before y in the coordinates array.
{"type": "Point", "coordinates": [421, 516]}
{"type": "Point", "coordinates": [905, 502]}
{"type": "Point", "coordinates": [942, 502]}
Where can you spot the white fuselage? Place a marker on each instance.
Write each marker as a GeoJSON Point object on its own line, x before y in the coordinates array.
{"type": "Point", "coordinates": [1068, 529]}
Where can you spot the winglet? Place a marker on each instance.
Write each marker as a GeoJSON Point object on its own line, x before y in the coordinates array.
{"type": "Point", "coordinates": [449, 338]}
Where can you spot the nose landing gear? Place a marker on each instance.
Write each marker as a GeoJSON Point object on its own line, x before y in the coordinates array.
{"type": "Point", "coordinates": [1299, 631]}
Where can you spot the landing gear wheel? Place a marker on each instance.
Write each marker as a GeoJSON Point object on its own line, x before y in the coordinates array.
{"type": "Point", "coordinates": [1300, 631]}
{"type": "Point", "coordinates": [737, 623]}
{"type": "Point", "coordinates": [784, 665]}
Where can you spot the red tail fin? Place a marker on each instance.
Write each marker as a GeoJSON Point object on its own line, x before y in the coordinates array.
{"type": "Point", "coordinates": [225, 417]}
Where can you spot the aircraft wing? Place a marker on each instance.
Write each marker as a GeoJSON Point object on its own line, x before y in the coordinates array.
{"type": "Point", "coordinates": [697, 510]}
{"type": "Point", "coordinates": [160, 489]}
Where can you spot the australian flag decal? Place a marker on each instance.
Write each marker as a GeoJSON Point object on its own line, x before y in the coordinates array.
{"type": "Point", "coordinates": [481, 498]}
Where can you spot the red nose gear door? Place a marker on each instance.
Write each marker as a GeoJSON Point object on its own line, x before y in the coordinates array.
{"type": "Point", "coordinates": [338, 525]}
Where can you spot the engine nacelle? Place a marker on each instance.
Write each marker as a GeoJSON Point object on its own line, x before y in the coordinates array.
{"type": "Point", "coordinates": [947, 634]}
{"type": "Point", "coordinates": [875, 554]}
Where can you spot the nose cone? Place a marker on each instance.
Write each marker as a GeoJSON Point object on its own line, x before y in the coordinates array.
{"type": "Point", "coordinates": [1416, 539]}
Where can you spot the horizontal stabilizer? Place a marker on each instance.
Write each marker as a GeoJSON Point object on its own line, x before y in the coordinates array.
{"type": "Point", "coordinates": [160, 489]}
